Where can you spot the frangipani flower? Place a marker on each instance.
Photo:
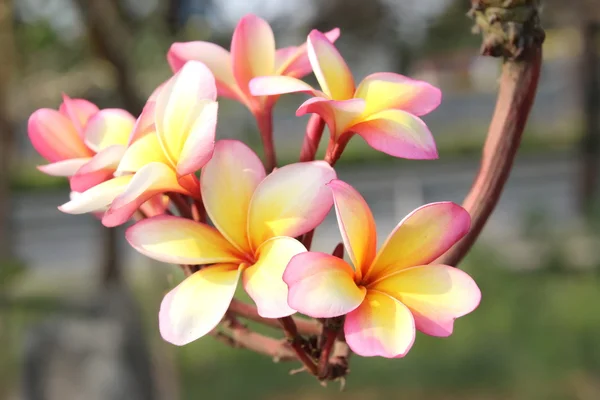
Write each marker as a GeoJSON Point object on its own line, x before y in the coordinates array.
{"type": "Point", "coordinates": [252, 54]}
{"type": "Point", "coordinates": [80, 141]}
{"type": "Point", "coordinates": [255, 218]}
{"type": "Point", "coordinates": [166, 153]}
{"type": "Point", "coordinates": [391, 292]}
{"type": "Point", "coordinates": [384, 109]}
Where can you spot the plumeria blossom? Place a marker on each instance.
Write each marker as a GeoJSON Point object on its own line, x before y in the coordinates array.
{"type": "Point", "coordinates": [390, 293]}
{"type": "Point", "coordinates": [384, 108]}
{"type": "Point", "coordinates": [255, 218]}
{"type": "Point", "coordinates": [252, 54]}
{"type": "Point", "coordinates": [173, 138]}
{"type": "Point", "coordinates": [80, 141]}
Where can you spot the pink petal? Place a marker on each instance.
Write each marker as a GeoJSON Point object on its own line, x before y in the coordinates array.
{"type": "Point", "coordinates": [263, 280]}
{"type": "Point", "coordinates": [54, 136]}
{"type": "Point", "coordinates": [144, 124]}
{"type": "Point", "coordinates": [329, 67]}
{"type": "Point", "coordinates": [385, 90]}
{"type": "Point", "coordinates": [216, 58]}
{"type": "Point", "coordinates": [79, 111]}
{"type": "Point", "coordinates": [291, 201]}
{"type": "Point", "coordinates": [197, 305]}
{"type": "Point", "coordinates": [228, 182]}
{"type": "Point", "coordinates": [381, 326]}
{"type": "Point", "coordinates": [109, 127]}
{"type": "Point", "coordinates": [293, 61]}
{"type": "Point", "coordinates": [356, 225]}
{"type": "Point", "coordinates": [180, 241]}
{"type": "Point", "coordinates": [435, 294]}
{"type": "Point", "coordinates": [100, 168]}
{"type": "Point", "coordinates": [399, 134]}
{"type": "Point", "coordinates": [66, 168]}
{"type": "Point", "coordinates": [421, 237]}
{"type": "Point", "coordinates": [277, 84]}
{"type": "Point", "coordinates": [339, 115]}
{"type": "Point", "coordinates": [200, 144]}
{"type": "Point", "coordinates": [322, 286]}
{"type": "Point", "coordinates": [156, 206]}
{"type": "Point", "coordinates": [252, 50]}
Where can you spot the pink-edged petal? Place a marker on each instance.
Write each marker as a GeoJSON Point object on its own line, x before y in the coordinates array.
{"type": "Point", "coordinates": [339, 115]}
{"type": "Point", "coordinates": [421, 237]}
{"type": "Point", "coordinates": [385, 90]}
{"type": "Point", "coordinates": [156, 206]}
{"type": "Point", "coordinates": [180, 241]}
{"type": "Point", "coordinates": [200, 143]}
{"type": "Point", "coordinates": [67, 167]}
{"type": "Point", "coordinates": [329, 67]}
{"type": "Point", "coordinates": [357, 225]}
{"type": "Point", "coordinates": [399, 134]}
{"type": "Point", "coordinates": [291, 201]}
{"type": "Point", "coordinates": [151, 180]}
{"type": "Point", "coordinates": [216, 58]}
{"type": "Point", "coordinates": [109, 127]}
{"type": "Point", "coordinates": [277, 84]}
{"type": "Point", "coordinates": [197, 305]}
{"type": "Point", "coordinates": [143, 151]}
{"type": "Point", "coordinates": [179, 105]}
{"type": "Point", "coordinates": [252, 50]}
{"type": "Point", "coordinates": [98, 197]}
{"type": "Point", "coordinates": [54, 136]}
{"type": "Point", "coordinates": [321, 285]}
{"type": "Point", "coordinates": [79, 111]}
{"type": "Point", "coordinates": [228, 182]}
{"type": "Point", "coordinates": [381, 326]}
{"type": "Point", "coordinates": [435, 294]}
{"type": "Point", "coordinates": [100, 168]}
{"type": "Point", "coordinates": [263, 281]}
{"type": "Point", "coordinates": [144, 124]}
{"type": "Point", "coordinates": [293, 61]}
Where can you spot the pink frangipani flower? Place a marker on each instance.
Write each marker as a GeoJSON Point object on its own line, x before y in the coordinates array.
{"type": "Point", "coordinates": [390, 293]}
{"type": "Point", "coordinates": [384, 109]}
{"type": "Point", "coordinates": [252, 54]}
{"type": "Point", "coordinates": [256, 218]}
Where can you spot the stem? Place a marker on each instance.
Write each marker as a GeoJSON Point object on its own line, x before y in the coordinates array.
{"type": "Point", "coordinates": [182, 205]}
{"type": "Point", "coordinates": [314, 132]}
{"type": "Point", "coordinates": [264, 120]}
{"type": "Point", "coordinates": [298, 344]}
{"type": "Point", "coordinates": [336, 148]}
{"type": "Point", "coordinates": [518, 85]}
{"type": "Point", "coordinates": [326, 347]}
{"type": "Point", "coordinates": [307, 239]}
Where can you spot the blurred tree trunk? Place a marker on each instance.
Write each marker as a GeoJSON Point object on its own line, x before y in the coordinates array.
{"type": "Point", "coordinates": [590, 144]}
{"type": "Point", "coordinates": [7, 140]}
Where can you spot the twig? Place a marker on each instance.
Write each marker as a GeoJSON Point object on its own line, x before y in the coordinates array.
{"type": "Point", "coordinates": [182, 204]}
{"type": "Point", "coordinates": [314, 132]}
{"type": "Point", "coordinates": [298, 344]}
{"type": "Point", "coordinates": [264, 120]}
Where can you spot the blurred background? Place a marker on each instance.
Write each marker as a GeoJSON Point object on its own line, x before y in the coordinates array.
{"type": "Point", "coordinates": [78, 307]}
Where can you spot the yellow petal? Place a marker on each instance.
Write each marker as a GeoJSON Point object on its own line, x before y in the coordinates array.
{"type": "Point", "coordinates": [329, 67]}
{"type": "Point", "coordinates": [143, 151]}
{"type": "Point", "coordinates": [109, 127]}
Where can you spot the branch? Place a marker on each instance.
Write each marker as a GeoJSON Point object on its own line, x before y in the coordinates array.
{"type": "Point", "coordinates": [511, 29]}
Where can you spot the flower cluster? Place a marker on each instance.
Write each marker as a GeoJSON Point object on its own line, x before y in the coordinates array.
{"type": "Point", "coordinates": [214, 205]}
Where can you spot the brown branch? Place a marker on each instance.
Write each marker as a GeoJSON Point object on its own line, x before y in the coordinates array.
{"type": "Point", "coordinates": [519, 42]}
{"type": "Point", "coordinates": [298, 344]}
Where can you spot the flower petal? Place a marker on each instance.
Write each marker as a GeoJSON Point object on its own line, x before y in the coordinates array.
{"type": "Point", "coordinates": [381, 326]}
{"type": "Point", "coordinates": [54, 136]}
{"type": "Point", "coordinates": [421, 237]}
{"type": "Point", "coordinates": [180, 241]}
{"type": "Point", "coordinates": [399, 134]}
{"type": "Point", "coordinates": [293, 61]}
{"type": "Point", "coordinates": [216, 58]}
{"type": "Point", "coordinates": [107, 128]}
{"type": "Point", "coordinates": [197, 305]}
{"type": "Point", "coordinates": [435, 294]}
{"type": "Point", "coordinates": [329, 67]}
{"type": "Point", "coordinates": [155, 206]}
{"type": "Point", "coordinates": [321, 285]}
{"type": "Point", "coordinates": [99, 169]}
{"type": "Point", "coordinates": [144, 124]}
{"type": "Point", "coordinates": [228, 182]}
{"type": "Point", "coordinates": [357, 225]}
{"type": "Point", "coordinates": [263, 281]}
{"type": "Point", "coordinates": [290, 201]}
{"type": "Point", "coordinates": [385, 90]}
{"type": "Point", "coordinates": [150, 180]}
{"type": "Point", "coordinates": [180, 103]}
{"type": "Point", "coordinates": [277, 84]}
{"type": "Point", "coordinates": [252, 50]}
{"type": "Point", "coordinates": [98, 197]}
{"type": "Point", "coordinates": [79, 111]}
{"type": "Point", "coordinates": [68, 167]}
{"type": "Point", "coordinates": [339, 115]}
{"type": "Point", "coordinates": [143, 151]}
{"type": "Point", "coordinates": [200, 144]}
